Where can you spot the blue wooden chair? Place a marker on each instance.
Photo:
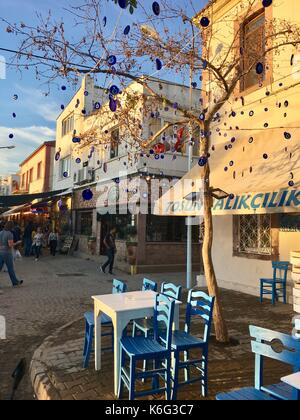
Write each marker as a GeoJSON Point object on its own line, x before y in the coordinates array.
{"type": "Point", "coordinates": [145, 325]}
{"type": "Point", "coordinates": [118, 287]}
{"type": "Point", "coordinates": [277, 285]}
{"type": "Point", "coordinates": [150, 349]}
{"type": "Point", "coordinates": [199, 305]}
{"type": "Point", "coordinates": [273, 345]}
{"type": "Point", "coordinates": [149, 285]}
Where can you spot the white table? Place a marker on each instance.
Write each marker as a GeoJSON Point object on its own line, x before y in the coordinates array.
{"type": "Point", "coordinates": [123, 308]}
{"type": "Point", "coordinates": [292, 380]}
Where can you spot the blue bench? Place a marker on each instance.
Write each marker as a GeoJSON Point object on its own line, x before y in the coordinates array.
{"type": "Point", "coordinates": [276, 346]}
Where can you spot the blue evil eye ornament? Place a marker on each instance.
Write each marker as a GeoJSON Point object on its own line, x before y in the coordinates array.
{"type": "Point", "coordinates": [14, 115]}
{"type": "Point", "coordinates": [287, 135]}
{"type": "Point", "coordinates": [87, 195]}
{"type": "Point", "coordinates": [78, 161]}
{"type": "Point", "coordinates": [63, 88]}
{"type": "Point", "coordinates": [97, 105]}
{"type": "Point", "coordinates": [127, 30]}
{"type": "Point", "coordinates": [57, 156]}
{"type": "Point", "coordinates": [65, 174]}
{"type": "Point", "coordinates": [159, 64]}
{"type": "Point", "coordinates": [267, 3]}
{"type": "Point", "coordinates": [114, 90]}
{"type": "Point", "coordinates": [15, 97]}
{"type": "Point", "coordinates": [291, 183]}
{"type": "Point", "coordinates": [202, 161]}
{"type": "Point", "coordinates": [156, 8]}
{"type": "Point", "coordinates": [259, 68]}
{"type": "Point", "coordinates": [11, 136]}
{"type": "Point", "coordinates": [112, 105]}
{"type": "Point", "coordinates": [123, 3]}
{"type": "Point", "coordinates": [204, 22]}
{"type": "Point", "coordinates": [112, 60]}
{"type": "Point", "coordinates": [76, 140]}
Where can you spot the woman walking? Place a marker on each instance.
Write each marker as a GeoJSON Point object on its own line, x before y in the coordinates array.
{"type": "Point", "coordinates": [6, 253]}
{"type": "Point", "coordinates": [38, 243]}
{"type": "Point", "coordinates": [53, 241]}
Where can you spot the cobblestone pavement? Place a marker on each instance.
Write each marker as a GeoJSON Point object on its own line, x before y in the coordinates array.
{"type": "Point", "coordinates": [56, 291]}
{"type": "Point", "coordinates": [57, 367]}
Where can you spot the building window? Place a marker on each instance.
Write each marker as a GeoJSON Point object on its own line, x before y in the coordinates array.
{"type": "Point", "coordinates": [65, 167]}
{"type": "Point", "coordinates": [31, 175]}
{"type": "Point", "coordinates": [168, 229]}
{"type": "Point", "coordinates": [253, 234]}
{"type": "Point", "coordinates": [23, 180]}
{"type": "Point", "coordinates": [115, 139]}
{"type": "Point", "coordinates": [253, 46]}
{"type": "Point", "coordinates": [68, 125]}
{"type": "Point", "coordinates": [84, 223]}
{"type": "Point", "coordinates": [39, 170]}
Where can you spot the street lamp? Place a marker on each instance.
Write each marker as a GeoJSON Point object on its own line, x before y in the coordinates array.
{"type": "Point", "coordinates": [7, 147]}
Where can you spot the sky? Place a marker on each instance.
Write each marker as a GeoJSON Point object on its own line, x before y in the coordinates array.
{"type": "Point", "coordinates": [36, 113]}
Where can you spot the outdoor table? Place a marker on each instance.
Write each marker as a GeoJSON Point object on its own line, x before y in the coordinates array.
{"type": "Point", "coordinates": [123, 308]}
{"type": "Point", "coordinates": [293, 380]}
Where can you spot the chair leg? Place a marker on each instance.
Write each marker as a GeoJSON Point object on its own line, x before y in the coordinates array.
{"type": "Point", "coordinates": [168, 379]}
{"type": "Point", "coordinates": [132, 379]}
{"type": "Point", "coordinates": [134, 330]}
{"type": "Point", "coordinates": [155, 379]}
{"type": "Point", "coordinates": [145, 363]}
{"type": "Point", "coordinates": [187, 370]}
{"type": "Point", "coordinates": [121, 383]}
{"type": "Point", "coordinates": [85, 340]}
{"type": "Point", "coordinates": [176, 376]}
{"type": "Point", "coordinates": [261, 292]}
{"type": "Point", "coordinates": [284, 295]}
{"type": "Point", "coordinates": [205, 375]}
{"type": "Point", "coordinates": [90, 337]}
{"type": "Point", "coordinates": [274, 294]}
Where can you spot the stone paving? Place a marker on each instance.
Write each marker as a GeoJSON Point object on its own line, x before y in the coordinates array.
{"type": "Point", "coordinates": [44, 322]}
{"type": "Point", "coordinates": [56, 291]}
{"type": "Point", "coordinates": [57, 371]}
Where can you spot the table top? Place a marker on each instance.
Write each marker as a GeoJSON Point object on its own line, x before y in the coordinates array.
{"type": "Point", "coordinates": [292, 380]}
{"type": "Point", "coordinates": [123, 302]}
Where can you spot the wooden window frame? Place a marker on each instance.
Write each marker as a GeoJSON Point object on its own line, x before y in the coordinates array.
{"type": "Point", "coordinates": [256, 86]}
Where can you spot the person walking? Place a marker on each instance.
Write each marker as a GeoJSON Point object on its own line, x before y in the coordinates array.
{"type": "Point", "coordinates": [6, 253]}
{"type": "Point", "coordinates": [38, 243]}
{"type": "Point", "coordinates": [27, 238]}
{"type": "Point", "coordinates": [53, 241]}
{"type": "Point", "coordinates": [110, 245]}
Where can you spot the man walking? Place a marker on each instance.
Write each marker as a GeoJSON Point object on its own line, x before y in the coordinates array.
{"type": "Point", "coordinates": [27, 238]}
{"type": "Point", "coordinates": [53, 242]}
{"type": "Point", "coordinates": [6, 253]}
{"type": "Point", "coordinates": [110, 245]}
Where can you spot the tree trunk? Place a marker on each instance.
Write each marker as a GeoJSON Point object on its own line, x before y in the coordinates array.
{"type": "Point", "coordinates": [213, 289]}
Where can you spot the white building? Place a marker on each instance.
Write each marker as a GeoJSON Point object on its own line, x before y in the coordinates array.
{"type": "Point", "coordinates": [95, 147]}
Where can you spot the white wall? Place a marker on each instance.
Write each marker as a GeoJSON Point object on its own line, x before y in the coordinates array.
{"type": "Point", "coordinates": [243, 274]}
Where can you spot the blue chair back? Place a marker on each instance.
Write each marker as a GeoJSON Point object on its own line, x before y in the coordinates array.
{"type": "Point", "coordinates": [280, 270]}
{"type": "Point", "coordinates": [201, 305]}
{"type": "Point", "coordinates": [274, 345]}
{"type": "Point", "coordinates": [163, 314]}
{"type": "Point", "coordinates": [149, 285]}
{"type": "Point", "coordinates": [119, 287]}
{"type": "Point", "coordinates": [169, 289]}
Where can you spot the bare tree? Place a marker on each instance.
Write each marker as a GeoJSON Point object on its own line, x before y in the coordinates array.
{"type": "Point", "coordinates": [161, 40]}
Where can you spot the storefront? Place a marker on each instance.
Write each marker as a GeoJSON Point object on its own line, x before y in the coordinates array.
{"type": "Point", "coordinates": [145, 242]}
